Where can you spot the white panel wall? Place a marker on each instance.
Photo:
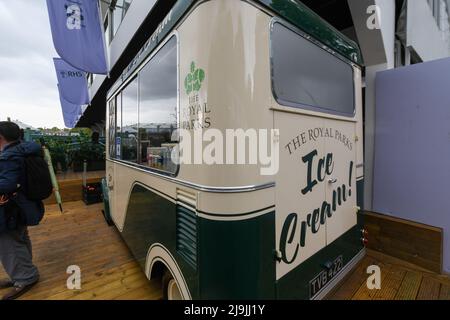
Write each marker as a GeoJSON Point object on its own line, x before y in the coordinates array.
{"type": "Point", "coordinates": [423, 34]}
{"type": "Point", "coordinates": [387, 25]}
{"type": "Point", "coordinates": [136, 14]}
{"type": "Point", "coordinates": [377, 46]}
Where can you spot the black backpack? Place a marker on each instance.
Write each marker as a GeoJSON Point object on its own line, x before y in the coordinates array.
{"type": "Point", "coordinates": [37, 178]}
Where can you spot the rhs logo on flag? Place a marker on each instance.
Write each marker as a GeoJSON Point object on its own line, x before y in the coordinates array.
{"type": "Point", "coordinates": [72, 83]}
{"type": "Point", "coordinates": [71, 74]}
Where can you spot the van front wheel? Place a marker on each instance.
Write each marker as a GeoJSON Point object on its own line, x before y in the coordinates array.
{"type": "Point", "coordinates": [171, 291]}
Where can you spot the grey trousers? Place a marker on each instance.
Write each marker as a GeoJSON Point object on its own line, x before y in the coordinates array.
{"type": "Point", "coordinates": [17, 258]}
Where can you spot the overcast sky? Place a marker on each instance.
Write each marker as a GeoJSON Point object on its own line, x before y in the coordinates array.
{"type": "Point", "coordinates": [28, 89]}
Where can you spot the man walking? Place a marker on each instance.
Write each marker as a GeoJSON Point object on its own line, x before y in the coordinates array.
{"type": "Point", "coordinates": [15, 244]}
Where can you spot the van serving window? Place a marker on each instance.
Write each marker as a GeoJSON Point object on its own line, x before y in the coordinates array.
{"type": "Point", "coordinates": [308, 77]}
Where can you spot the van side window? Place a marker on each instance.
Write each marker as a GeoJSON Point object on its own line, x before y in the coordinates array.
{"type": "Point", "coordinates": [118, 142]}
{"type": "Point", "coordinates": [306, 76]}
{"type": "Point", "coordinates": [129, 134]}
{"type": "Point", "coordinates": [158, 92]}
{"type": "Point", "coordinates": [112, 128]}
{"type": "Point", "coordinates": [145, 114]}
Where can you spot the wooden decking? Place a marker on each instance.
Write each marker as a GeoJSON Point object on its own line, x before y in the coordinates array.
{"type": "Point", "coordinates": [70, 185]}
{"type": "Point", "coordinates": [410, 241]}
{"type": "Point", "coordinates": [70, 175]}
{"type": "Point", "coordinates": [81, 237]}
{"type": "Point", "coordinates": [400, 280]}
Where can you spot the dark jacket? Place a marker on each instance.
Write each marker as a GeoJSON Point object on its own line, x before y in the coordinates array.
{"type": "Point", "coordinates": [13, 180]}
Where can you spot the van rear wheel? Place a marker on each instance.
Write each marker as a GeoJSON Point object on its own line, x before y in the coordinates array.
{"type": "Point", "coordinates": [171, 291]}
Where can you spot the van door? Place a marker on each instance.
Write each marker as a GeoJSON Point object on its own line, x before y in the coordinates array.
{"type": "Point", "coordinates": [314, 109]}
{"type": "Point", "coordinates": [299, 194]}
{"type": "Point", "coordinates": [315, 199]}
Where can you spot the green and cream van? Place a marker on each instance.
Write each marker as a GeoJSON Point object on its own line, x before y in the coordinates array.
{"type": "Point", "coordinates": [219, 230]}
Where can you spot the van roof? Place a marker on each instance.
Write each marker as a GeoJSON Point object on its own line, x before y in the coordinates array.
{"type": "Point", "coordinates": [292, 11]}
{"type": "Point", "coordinates": [301, 16]}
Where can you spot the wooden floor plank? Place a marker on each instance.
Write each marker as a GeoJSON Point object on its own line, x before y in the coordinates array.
{"type": "Point", "coordinates": [57, 285]}
{"type": "Point", "coordinates": [390, 284]}
{"type": "Point", "coordinates": [353, 282]}
{"type": "Point", "coordinates": [81, 237]}
{"type": "Point", "coordinates": [113, 289]}
{"type": "Point", "coordinates": [444, 293]}
{"type": "Point", "coordinates": [97, 287]}
{"type": "Point", "coordinates": [153, 290]}
{"type": "Point", "coordinates": [364, 293]}
{"type": "Point", "coordinates": [429, 289]}
{"type": "Point", "coordinates": [410, 286]}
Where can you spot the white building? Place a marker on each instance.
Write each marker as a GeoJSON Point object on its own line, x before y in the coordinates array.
{"type": "Point", "coordinates": [405, 32]}
{"type": "Point", "coordinates": [411, 31]}
{"type": "Point", "coordinates": [22, 125]}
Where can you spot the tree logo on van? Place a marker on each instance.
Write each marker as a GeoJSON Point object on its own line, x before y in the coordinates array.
{"type": "Point", "coordinates": [194, 79]}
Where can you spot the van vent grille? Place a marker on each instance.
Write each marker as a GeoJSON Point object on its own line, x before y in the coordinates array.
{"type": "Point", "coordinates": [187, 226]}
{"type": "Point", "coordinates": [187, 235]}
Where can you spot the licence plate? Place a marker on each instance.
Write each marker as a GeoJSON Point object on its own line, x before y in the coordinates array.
{"type": "Point", "coordinates": [323, 278]}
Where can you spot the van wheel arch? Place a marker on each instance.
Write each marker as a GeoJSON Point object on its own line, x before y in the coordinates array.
{"type": "Point", "coordinates": [160, 264]}
{"type": "Point", "coordinates": [158, 270]}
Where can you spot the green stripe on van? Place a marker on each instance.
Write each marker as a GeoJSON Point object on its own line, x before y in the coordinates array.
{"type": "Point", "coordinates": [309, 22]}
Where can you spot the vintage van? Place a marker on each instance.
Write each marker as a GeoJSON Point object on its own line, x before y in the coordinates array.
{"type": "Point", "coordinates": [230, 231]}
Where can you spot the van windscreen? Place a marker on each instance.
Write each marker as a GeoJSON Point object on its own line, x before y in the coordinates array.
{"type": "Point", "coordinates": [307, 76]}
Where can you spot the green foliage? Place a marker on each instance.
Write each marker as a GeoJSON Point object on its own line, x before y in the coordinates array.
{"type": "Point", "coordinates": [82, 131]}
{"type": "Point", "coordinates": [88, 151]}
{"type": "Point", "coordinates": [84, 149]}
{"type": "Point", "coordinates": [74, 148]}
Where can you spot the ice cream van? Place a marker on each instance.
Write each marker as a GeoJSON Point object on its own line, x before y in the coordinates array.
{"type": "Point", "coordinates": [272, 216]}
